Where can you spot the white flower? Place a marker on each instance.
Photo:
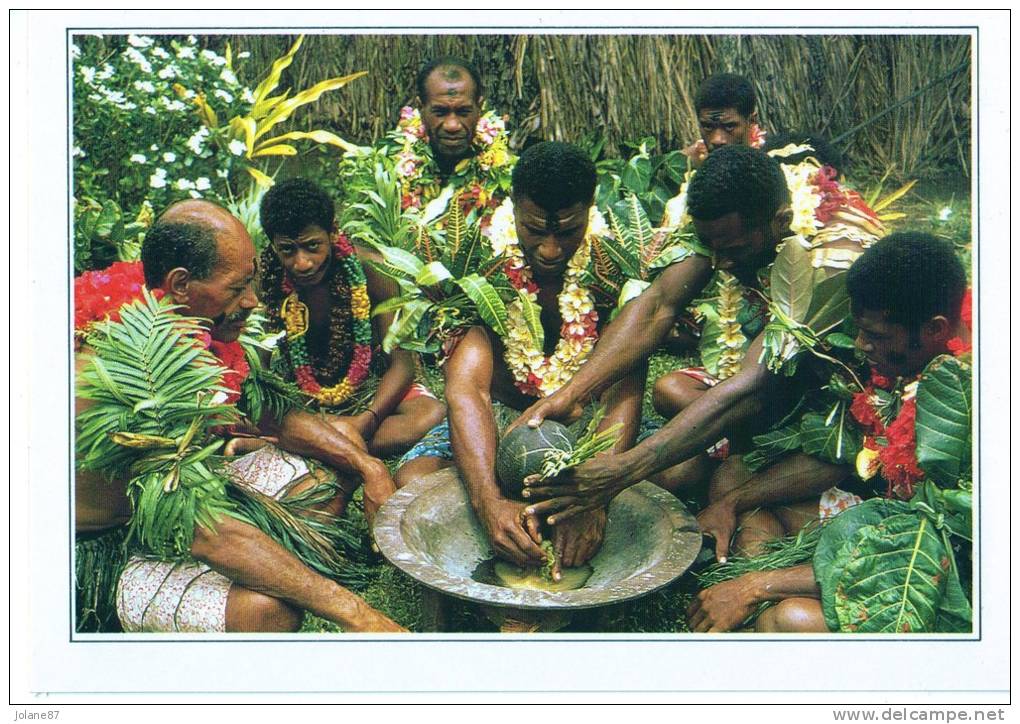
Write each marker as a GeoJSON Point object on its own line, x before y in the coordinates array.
{"type": "Point", "coordinates": [194, 194]}
{"type": "Point", "coordinates": [106, 73]}
{"type": "Point", "coordinates": [220, 93]}
{"type": "Point", "coordinates": [244, 54]}
{"type": "Point", "coordinates": [140, 41]}
{"type": "Point", "coordinates": [115, 96]}
{"type": "Point", "coordinates": [202, 183]}
{"type": "Point", "coordinates": [89, 74]}
{"type": "Point", "coordinates": [75, 51]}
{"type": "Point", "coordinates": [137, 158]}
{"type": "Point", "coordinates": [154, 147]}
{"type": "Point", "coordinates": [77, 151]}
{"type": "Point", "coordinates": [247, 96]}
{"type": "Point", "coordinates": [160, 53]}
{"type": "Point", "coordinates": [213, 58]}
{"type": "Point", "coordinates": [168, 72]}
{"type": "Point", "coordinates": [186, 52]}
{"type": "Point", "coordinates": [169, 157]}
{"type": "Point", "coordinates": [944, 213]}
{"type": "Point", "coordinates": [222, 172]}
{"type": "Point", "coordinates": [158, 179]}
{"type": "Point", "coordinates": [238, 148]}
{"type": "Point", "coordinates": [184, 184]}
{"type": "Point", "coordinates": [227, 76]}
{"type": "Point", "coordinates": [145, 86]}
{"type": "Point", "coordinates": [192, 39]}
{"type": "Point", "coordinates": [195, 143]}
{"type": "Point", "coordinates": [138, 59]}
{"type": "Point", "coordinates": [150, 110]}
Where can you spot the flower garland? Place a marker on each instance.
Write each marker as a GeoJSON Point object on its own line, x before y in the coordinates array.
{"type": "Point", "coordinates": [99, 296]}
{"type": "Point", "coordinates": [890, 444]}
{"type": "Point", "coordinates": [731, 337]}
{"type": "Point", "coordinates": [294, 315]}
{"type": "Point", "coordinates": [482, 176]}
{"type": "Point", "coordinates": [535, 374]}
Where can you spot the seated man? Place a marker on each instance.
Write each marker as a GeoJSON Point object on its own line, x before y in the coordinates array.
{"type": "Point", "coordinates": [317, 291]}
{"type": "Point", "coordinates": [547, 244]}
{"type": "Point", "coordinates": [906, 293]}
{"type": "Point", "coordinates": [741, 209]}
{"type": "Point", "coordinates": [446, 144]}
{"type": "Point", "coordinates": [199, 256]}
{"type": "Point", "coordinates": [727, 114]}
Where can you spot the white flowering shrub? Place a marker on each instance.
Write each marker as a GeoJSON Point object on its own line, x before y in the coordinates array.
{"type": "Point", "coordinates": [139, 140]}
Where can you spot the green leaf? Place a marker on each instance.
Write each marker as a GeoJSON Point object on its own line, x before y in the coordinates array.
{"type": "Point", "coordinates": [954, 614]}
{"type": "Point", "coordinates": [618, 252]}
{"type": "Point", "coordinates": [637, 174]}
{"type": "Point", "coordinates": [943, 422]}
{"type": "Point", "coordinates": [835, 544]}
{"type": "Point", "coordinates": [792, 281]}
{"type": "Point", "coordinates": [393, 303]}
{"type": "Point", "coordinates": [486, 300]}
{"type": "Point", "coordinates": [405, 324]}
{"type": "Point", "coordinates": [431, 274]}
{"type": "Point", "coordinates": [833, 438]}
{"type": "Point", "coordinates": [894, 579]}
{"type": "Point", "coordinates": [532, 319]}
{"type": "Point", "coordinates": [400, 260]}
{"type": "Point", "coordinates": [771, 445]}
{"type": "Point", "coordinates": [840, 340]}
{"type": "Point", "coordinates": [830, 304]}
{"type": "Point", "coordinates": [670, 255]}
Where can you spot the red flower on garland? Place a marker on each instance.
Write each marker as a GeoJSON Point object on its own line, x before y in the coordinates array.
{"type": "Point", "coordinates": [231, 355]}
{"type": "Point", "coordinates": [99, 295]}
{"type": "Point", "coordinates": [834, 197]}
{"type": "Point", "coordinates": [899, 456]}
{"type": "Point", "coordinates": [864, 412]}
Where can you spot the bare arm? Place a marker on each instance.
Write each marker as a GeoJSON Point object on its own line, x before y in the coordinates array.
{"type": "Point", "coordinates": [626, 343]}
{"type": "Point", "coordinates": [725, 606]}
{"type": "Point", "coordinates": [473, 436]}
{"type": "Point", "coordinates": [252, 559]}
{"type": "Point", "coordinates": [597, 481]}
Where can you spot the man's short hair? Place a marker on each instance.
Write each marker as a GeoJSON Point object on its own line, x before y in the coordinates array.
{"type": "Point", "coordinates": [554, 175]}
{"type": "Point", "coordinates": [824, 151]}
{"type": "Point", "coordinates": [737, 179]}
{"type": "Point", "coordinates": [726, 90]}
{"type": "Point", "coordinates": [911, 276]}
{"type": "Point", "coordinates": [291, 206]}
{"type": "Point", "coordinates": [169, 245]}
{"type": "Point", "coordinates": [447, 61]}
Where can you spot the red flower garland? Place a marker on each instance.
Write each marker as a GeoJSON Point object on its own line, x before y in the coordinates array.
{"type": "Point", "coordinates": [834, 197]}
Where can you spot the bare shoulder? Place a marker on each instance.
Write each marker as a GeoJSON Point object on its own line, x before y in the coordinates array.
{"type": "Point", "coordinates": [681, 281]}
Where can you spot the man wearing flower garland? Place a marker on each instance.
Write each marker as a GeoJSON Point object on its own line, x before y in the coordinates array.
{"type": "Point", "coordinates": [544, 233]}
{"type": "Point", "coordinates": [449, 144]}
{"type": "Point", "coordinates": [318, 292]}
{"type": "Point", "coordinates": [909, 305]}
{"type": "Point", "coordinates": [241, 579]}
{"type": "Point", "coordinates": [741, 208]}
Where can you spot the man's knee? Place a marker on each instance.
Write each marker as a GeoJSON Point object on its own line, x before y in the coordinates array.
{"type": "Point", "coordinates": [794, 615]}
{"type": "Point", "coordinates": [673, 392]}
{"type": "Point", "coordinates": [250, 611]}
{"type": "Point", "coordinates": [414, 469]}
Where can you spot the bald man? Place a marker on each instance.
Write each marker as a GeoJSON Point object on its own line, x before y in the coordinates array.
{"type": "Point", "coordinates": [203, 259]}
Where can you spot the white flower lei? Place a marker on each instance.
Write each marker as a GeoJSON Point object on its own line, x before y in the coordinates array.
{"type": "Point", "coordinates": [576, 307]}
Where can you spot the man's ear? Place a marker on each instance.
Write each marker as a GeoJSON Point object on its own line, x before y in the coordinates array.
{"type": "Point", "coordinates": [780, 227]}
{"type": "Point", "coordinates": [176, 284]}
{"type": "Point", "coordinates": [938, 330]}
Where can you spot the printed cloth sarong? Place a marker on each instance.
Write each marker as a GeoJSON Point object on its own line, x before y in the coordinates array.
{"type": "Point", "coordinates": [188, 596]}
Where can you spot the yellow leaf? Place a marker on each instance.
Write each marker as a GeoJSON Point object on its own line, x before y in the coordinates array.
{"type": "Point", "coordinates": [317, 136]}
{"type": "Point", "coordinates": [891, 216]}
{"type": "Point", "coordinates": [206, 112]}
{"type": "Point", "coordinates": [180, 90]}
{"type": "Point", "coordinates": [895, 195]}
{"type": "Point", "coordinates": [229, 56]}
{"type": "Point", "coordinates": [281, 149]}
{"type": "Point", "coordinates": [283, 110]}
{"type": "Point", "coordinates": [243, 127]}
{"type": "Point", "coordinates": [279, 65]}
{"type": "Point", "coordinates": [260, 178]}
{"type": "Point", "coordinates": [262, 108]}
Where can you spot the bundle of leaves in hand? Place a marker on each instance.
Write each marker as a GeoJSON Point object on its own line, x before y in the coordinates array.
{"type": "Point", "coordinates": [446, 272]}
{"type": "Point", "coordinates": [158, 406]}
{"type": "Point", "coordinates": [528, 455]}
